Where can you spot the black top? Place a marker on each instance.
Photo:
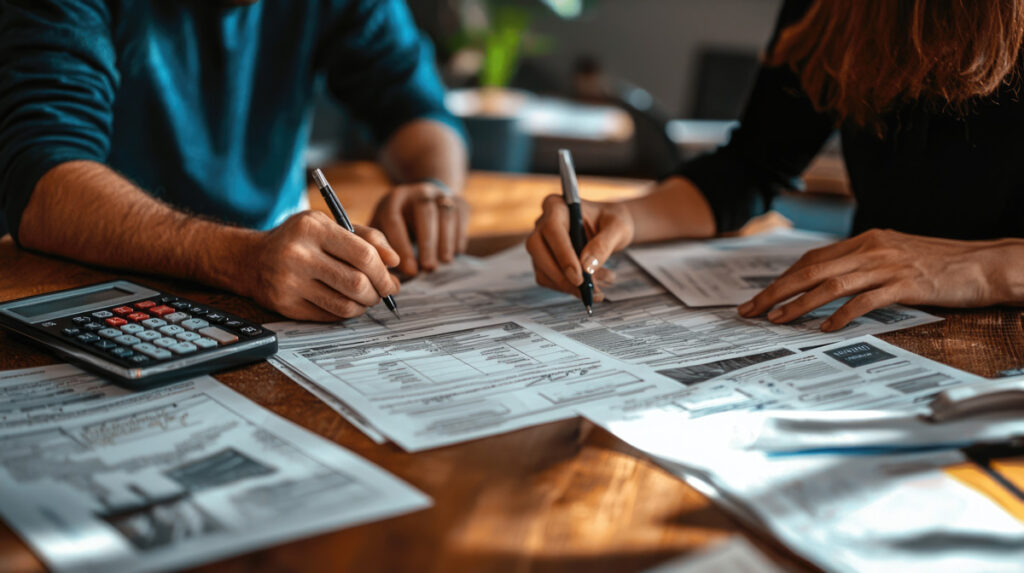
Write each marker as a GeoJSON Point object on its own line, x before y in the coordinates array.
{"type": "Point", "coordinates": [932, 174]}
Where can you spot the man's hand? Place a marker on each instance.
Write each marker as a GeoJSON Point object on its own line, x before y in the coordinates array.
{"type": "Point", "coordinates": [878, 268]}
{"type": "Point", "coordinates": [610, 228]}
{"type": "Point", "coordinates": [436, 219]}
{"type": "Point", "coordinates": [310, 268]}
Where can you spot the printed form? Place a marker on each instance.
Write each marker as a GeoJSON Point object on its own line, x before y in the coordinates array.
{"type": "Point", "coordinates": [947, 509]}
{"type": "Point", "coordinates": [435, 387]}
{"type": "Point", "coordinates": [98, 478]}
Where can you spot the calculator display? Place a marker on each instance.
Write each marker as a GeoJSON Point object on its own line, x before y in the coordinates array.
{"type": "Point", "coordinates": [31, 311]}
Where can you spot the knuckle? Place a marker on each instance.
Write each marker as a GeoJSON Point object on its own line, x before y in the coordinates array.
{"type": "Point", "coordinates": [350, 309]}
{"type": "Point", "coordinates": [552, 201]}
{"type": "Point", "coordinates": [834, 285]}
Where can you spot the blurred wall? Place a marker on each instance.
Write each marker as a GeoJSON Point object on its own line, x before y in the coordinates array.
{"type": "Point", "coordinates": [655, 43]}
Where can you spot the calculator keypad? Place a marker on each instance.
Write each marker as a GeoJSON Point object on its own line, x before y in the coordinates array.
{"type": "Point", "coordinates": [163, 328]}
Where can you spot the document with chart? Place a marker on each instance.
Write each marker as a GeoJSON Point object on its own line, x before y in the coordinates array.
{"type": "Point", "coordinates": [950, 508]}
{"type": "Point", "coordinates": [98, 478]}
{"type": "Point", "coordinates": [860, 374]}
{"type": "Point", "coordinates": [725, 272]}
{"type": "Point", "coordinates": [435, 387]}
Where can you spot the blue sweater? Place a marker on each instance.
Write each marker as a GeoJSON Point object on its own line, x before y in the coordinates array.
{"type": "Point", "coordinates": [204, 105]}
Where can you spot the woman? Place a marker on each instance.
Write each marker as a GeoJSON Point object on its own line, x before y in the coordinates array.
{"type": "Point", "coordinates": [927, 96]}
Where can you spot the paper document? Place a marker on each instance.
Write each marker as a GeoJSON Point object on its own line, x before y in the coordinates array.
{"type": "Point", "coordinates": [725, 272]}
{"type": "Point", "coordinates": [933, 511]}
{"type": "Point", "coordinates": [948, 510]}
{"type": "Point", "coordinates": [860, 374]}
{"type": "Point", "coordinates": [97, 478]}
{"type": "Point", "coordinates": [441, 386]}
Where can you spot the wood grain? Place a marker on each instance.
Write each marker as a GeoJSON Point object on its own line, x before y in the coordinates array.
{"type": "Point", "coordinates": [558, 497]}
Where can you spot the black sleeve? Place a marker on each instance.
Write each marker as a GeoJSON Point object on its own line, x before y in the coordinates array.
{"type": "Point", "coordinates": [779, 135]}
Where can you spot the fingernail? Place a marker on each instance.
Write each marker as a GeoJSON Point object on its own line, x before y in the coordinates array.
{"type": "Point", "coordinates": [592, 266]}
{"type": "Point", "coordinates": [746, 307]}
{"type": "Point", "coordinates": [775, 314]}
{"type": "Point", "coordinates": [827, 325]}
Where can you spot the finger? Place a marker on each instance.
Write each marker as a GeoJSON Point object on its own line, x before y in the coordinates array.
{"type": "Point", "coordinates": [561, 286]}
{"type": "Point", "coordinates": [391, 221]}
{"type": "Point", "coordinates": [613, 235]}
{"type": "Point", "coordinates": [462, 227]}
{"type": "Point", "coordinates": [604, 277]}
{"type": "Point", "coordinates": [544, 264]}
{"type": "Point", "coordinates": [447, 231]}
{"type": "Point", "coordinates": [379, 242]}
{"type": "Point", "coordinates": [331, 301]}
{"type": "Point", "coordinates": [826, 253]}
{"type": "Point", "coordinates": [346, 281]}
{"type": "Point", "coordinates": [826, 292]}
{"type": "Point", "coordinates": [424, 216]}
{"type": "Point", "coordinates": [802, 280]}
{"type": "Point", "coordinates": [353, 251]}
{"type": "Point", "coordinates": [861, 305]}
{"type": "Point", "coordinates": [554, 229]}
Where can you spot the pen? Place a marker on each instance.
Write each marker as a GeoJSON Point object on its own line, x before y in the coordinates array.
{"type": "Point", "coordinates": [342, 218]}
{"type": "Point", "coordinates": [571, 194]}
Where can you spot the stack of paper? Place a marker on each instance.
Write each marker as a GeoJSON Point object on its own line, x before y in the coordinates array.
{"type": "Point", "coordinates": [482, 350]}
{"type": "Point", "coordinates": [97, 478]}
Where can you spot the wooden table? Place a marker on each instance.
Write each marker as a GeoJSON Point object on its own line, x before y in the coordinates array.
{"type": "Point", "coordinates": [558, 497]}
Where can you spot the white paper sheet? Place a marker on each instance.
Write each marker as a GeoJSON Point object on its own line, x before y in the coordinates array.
{"type": "Point", "coordinates": [875, 376]}
{"type": "Point", "coordinates": [445, 385]}
{"type": "Point", "coordinates": [96, 478]}
{"type": "Point", "coordinates": [922, 511]}
{"type": "Point", "coordinates": [725, 272]}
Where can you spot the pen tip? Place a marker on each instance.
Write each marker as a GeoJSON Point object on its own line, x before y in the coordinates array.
{"type": "Point", "coordinates": [590, 311]}
{"type": "Point", "coordinates": [395, 312]}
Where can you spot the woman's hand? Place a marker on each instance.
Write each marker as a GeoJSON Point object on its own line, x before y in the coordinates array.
{"type": "Point", "coordinates": [609, 227]}
{"type": "Point", "coordinates": [878, 268]}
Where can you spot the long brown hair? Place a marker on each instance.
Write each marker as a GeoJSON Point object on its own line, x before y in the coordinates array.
{"type": "Point", "coordinates": [858, 59]}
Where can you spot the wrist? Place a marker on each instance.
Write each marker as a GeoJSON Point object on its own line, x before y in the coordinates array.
{"type": "Point", "coordinates": [230, 260]}
{"type": "Point", "coordinates": [1007, 271]}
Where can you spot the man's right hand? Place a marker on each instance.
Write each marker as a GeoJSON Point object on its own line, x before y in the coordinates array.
{"type": "Point", "coordinates": [609, 228]}
{"type": "Point", "coordinates": [310, 268]}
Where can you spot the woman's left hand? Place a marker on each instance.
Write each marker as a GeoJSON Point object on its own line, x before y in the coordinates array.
{"type": "Point", "coordinates": [878, 268]}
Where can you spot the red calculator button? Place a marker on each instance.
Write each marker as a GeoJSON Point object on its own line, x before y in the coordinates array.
{"type": "Point", "coordinates": [116, 321]}
{"type": "Point", "coordinates": [161, 310]}
{"type": "Point", "coordinates": [138, 316]}
{"type": "Point", "coordinates": [145, 304]}
{"type": "Point", "coordinates": [122, 310]}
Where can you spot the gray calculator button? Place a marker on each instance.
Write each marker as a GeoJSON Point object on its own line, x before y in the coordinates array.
{"type": "Point", "coordinates": [187, 336]}
{"type": "Point", "coordinates": [203, 342]}
{"type": "Point", "coordinates": [171, 329]}
{"type": "Point", "coordinates": [165, 342]}
{"type": "Point", "coordinates": [127, 340]}
{"type": "Point", "coordinates": [110, 333]}
{"type": "Point", "coordinates": [152, 351]}
{"type": "Point", "coordinates": [105, 345]}
{"type": "Point", "coordinates": [132, 328]}
{"type": "Point", "coordinates": [183, 348]}
{"type": "Point", "coordinates": [221, 336]}
{"type": "Point", "coordinates": [88, 337]}
{"type": "Point", "coordinates": [154, 322]}
{"type": "Point", "coordinates": [103, 314]}
{"type": "Point", "coordinates": [176, 317]}
{"type": "Point", "coordinates": [195, 323]}
{"type": "Point", "coordinates": [121, 352]}
{"type": "Point", "coordinates": [149, 335]}
{"type": "Point", "coordinates": [92, 327]}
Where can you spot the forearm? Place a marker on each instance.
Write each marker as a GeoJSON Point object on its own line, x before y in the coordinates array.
{"type": "Point", "coordinates": [85, 211]}
{"type": "Point", "coordinates": [426, 149]}
{"type": "Point", "coordinates": [676, 209]}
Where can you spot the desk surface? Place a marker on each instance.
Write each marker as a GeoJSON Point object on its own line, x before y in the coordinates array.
{"type": "Point", "coordinates": [562, 496]}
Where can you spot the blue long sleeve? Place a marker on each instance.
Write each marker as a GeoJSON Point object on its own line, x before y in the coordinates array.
{"type": "Point", "coordinates": [57, 84]}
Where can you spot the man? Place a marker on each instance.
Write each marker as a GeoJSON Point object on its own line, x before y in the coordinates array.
{"type": "Point", "coordinates": [166, 137]}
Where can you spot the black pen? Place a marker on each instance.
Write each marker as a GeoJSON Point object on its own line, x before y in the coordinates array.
{"type": "Point", "coordinates": [342, 218]}
{"type": "Point", "coordinates": [571, 194]}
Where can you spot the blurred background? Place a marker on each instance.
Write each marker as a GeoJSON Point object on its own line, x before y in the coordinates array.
{"type": "Point", "coordinates": [633, 87]}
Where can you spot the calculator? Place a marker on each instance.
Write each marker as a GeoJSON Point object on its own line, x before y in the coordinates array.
{"type": "Point", "coordinates": [137, 336]}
